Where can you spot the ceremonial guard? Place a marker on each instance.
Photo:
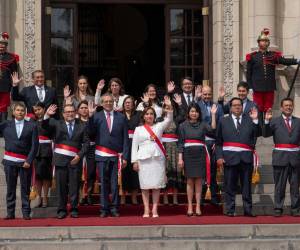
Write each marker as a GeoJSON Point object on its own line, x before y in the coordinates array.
{"type": "Point", "coordinates": [235, 145]}
{"type": "Point", "coordinates": [261, 67]}
{"type": "Point", "coordinates": [21, 145]}
{"type": "Point", "coordinates": [285, 130]}
{"type": "Point", "coordinates": [8, 65]}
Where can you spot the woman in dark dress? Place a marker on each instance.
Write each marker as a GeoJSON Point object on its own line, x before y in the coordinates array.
{"type": "Point", "coordinates": [192, 152]}
{"type": "Point", "coordinates": [130, 179]}
{"type": "Point", "coordinates": [43, 160]}
{"type": "Point", "coordinates": [89, 176]}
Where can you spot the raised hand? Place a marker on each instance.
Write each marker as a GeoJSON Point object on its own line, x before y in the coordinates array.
{"type": "Point", "coordinates": [269, 115]}
{"type": "Point", "coordinates": [167, 100]}
{"type": "Point", "coordinates": [67, 91]}
{"type": "Point", "coordinates": [51, 110]}
{"type": "Point", "coordinates": [100, 85]}
{"type": "Point", "coordinates": [221, 92]}
{"type": "Point", "coordinates": [214, 109]}
{"type": "Point", "coordinates": [92, 108]}
{"type": "Point", "coordinates": [145, 98]}
{"type": "Point", "coordinates": [170, 86]}
{"type": "Point", "coordinates": [198, 92]}
{"type": "Point", "coordinates": [177, 99]}
{"type": "Point", "coordinates": [15, 79]}
{"type": "Point", "coordinates": [253, 114]}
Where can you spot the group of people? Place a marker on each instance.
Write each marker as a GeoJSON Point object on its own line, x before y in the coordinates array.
{"type": "Point", "coordinates": [181, 141]}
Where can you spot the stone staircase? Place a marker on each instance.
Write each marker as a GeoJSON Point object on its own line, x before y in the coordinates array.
{"type": "Point", "coordinates": [263, 193]}
{"type": "Point", "coordinates": [208, 237]}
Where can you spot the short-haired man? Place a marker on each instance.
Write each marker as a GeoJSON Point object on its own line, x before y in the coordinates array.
{"type": "Point", "coordinates": [285, 130]}
{"type": "Point", "coordinates": [111, 153]}
{"type": "Point", "coordinates": [235, 144]}
{"type": "Point", "coordinates": [38, 92]}
{"type": "Point", "coordinates": [21, 145]}
{"type": "Point", "coordinates": [71, 144]}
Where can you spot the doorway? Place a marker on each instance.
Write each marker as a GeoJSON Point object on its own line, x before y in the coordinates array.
{"type": "Point", "coordinates": [124, 41]}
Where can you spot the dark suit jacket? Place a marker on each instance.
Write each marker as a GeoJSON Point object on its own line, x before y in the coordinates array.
{"type": "Point", "coordinates": [27, 144]}
{"type": "Point", "coordinates": [79, 140]}
{"type": "Point", "coordinates": [45, 149]}
{"type": "Point", "coordinates": [29, 96]}
{"type": "Point", "coordinates": [206, 116]}
{"type": "Point", "coordinates": [227, 132]}
{"type": "Point", "coordinates": [279, 131]}
{"type": "Point", "coordinates": [117, 140]}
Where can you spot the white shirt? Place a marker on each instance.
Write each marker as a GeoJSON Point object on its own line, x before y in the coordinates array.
{"type": "Point", "coordinates": [37, 88]}
{"type": "Point", "coordinates": [290, 119]}
{"type": "Point", "coordinates": [235, 119]}
{"type": "Point", "coordinates": [111, 118]}
{"type": "Point", "coordinates": [19, 127]}
{"type": "Point", "coordinates": [186, 97]}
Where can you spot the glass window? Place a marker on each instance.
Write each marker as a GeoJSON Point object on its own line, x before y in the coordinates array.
{"type": "Point", "coordinates": [62, 22]}
{"type": "Point", "coordinates": [61, 51]}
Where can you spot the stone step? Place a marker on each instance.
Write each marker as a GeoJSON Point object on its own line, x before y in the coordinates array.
{"type": "Point", "coordinates": [194, 237]}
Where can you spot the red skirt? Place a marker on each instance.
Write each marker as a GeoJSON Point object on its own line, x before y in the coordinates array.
{"type": "Point", "coordinates": [4, 101]}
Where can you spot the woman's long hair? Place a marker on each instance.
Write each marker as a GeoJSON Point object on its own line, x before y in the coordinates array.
{"type": "Point", "coordinates": [118, 81]}
{"type": "Point", "coordinates": [88, 90]}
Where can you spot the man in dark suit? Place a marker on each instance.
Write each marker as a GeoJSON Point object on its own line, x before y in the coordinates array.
{"type": "Point", "coordinates": [38, 92]}
{"type": "Point", "coordinates": [205, 104]}
{"type": "Point", "coordinates": [21, 145]}
{"type": "Point", "coordinates": [285, 130]}
{"type": "Point", "coordinates": [111, 153]}
{"type": "Point", "coordinates": [235, 144]}
{"type": "Point", "coordinates": [71, 144]}
{"type": "Point", "coordinates": [187, 95]}
{"type": "Point", "coordinates": [242, 92]}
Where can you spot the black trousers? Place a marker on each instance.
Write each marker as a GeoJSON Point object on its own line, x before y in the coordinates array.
{"type": "Point", "coordinates": [11, 175]}
{"type": "Point", "coordinates": [109, 182]}
{"type": "Point", "coordinates": [232, 174]}
{"type": "Point", "coordinates": [281, 174]}
{"type": "Point", "coordinates": [68, 182]}
{"type": "Point", "coordinates": [91, 174]}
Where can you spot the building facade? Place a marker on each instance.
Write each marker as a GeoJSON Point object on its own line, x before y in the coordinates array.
{"type": "Point", "coordinates": [206, 39]}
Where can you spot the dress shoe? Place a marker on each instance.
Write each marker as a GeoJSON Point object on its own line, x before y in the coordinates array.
{"type": "Point", "coordinates": [26, 217]}
{"type": "Point", "coordinates": [115, 214]}
{"type": "Point", "coordinates": [189, 214]}
{"type": "Point", "coordinates": [295, 213]}
{"type": "Point", "coordinates": [74, 214]}
{"type": "Point", "coordinates": [103, 214]}
{"type": "Point", "coordinates": [249, 214]}
{"type": "Point", "coordinates": [277, 212]}
{"type": "Point", "coordinates": [229, 214]}
{"type": "Point", "coordinates": [9, 217]}
{"type": "Point", "coordinates": [61, 215]}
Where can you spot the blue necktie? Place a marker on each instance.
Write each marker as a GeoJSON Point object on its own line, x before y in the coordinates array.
{"type": "Point", "coordinates": [70, 130]}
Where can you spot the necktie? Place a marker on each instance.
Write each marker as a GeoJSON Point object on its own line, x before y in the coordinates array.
{"type": "Point", "coordinates": [287, 123]}
{"type": "Point", "coordinates": [108, 120]}
{"type": "Point", "coordinates": [40, 94]}
{"type": "Point", "coordinates": [70, 130]}
{"type": "Point", "coordinates": [238, 124]}
{"type": "Point", "coordinates": [189, 99]}
{"type": "Point", "coordinates": [18, 128]}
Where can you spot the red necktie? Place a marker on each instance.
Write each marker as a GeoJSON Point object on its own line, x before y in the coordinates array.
{"type": "Point", "coordinates": [287, 123]}
{"type": "Point", "coordinates": [108, 120]}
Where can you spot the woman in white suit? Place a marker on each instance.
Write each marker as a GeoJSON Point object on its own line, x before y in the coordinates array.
{"type": "Point", "coordinates": [148, 155]}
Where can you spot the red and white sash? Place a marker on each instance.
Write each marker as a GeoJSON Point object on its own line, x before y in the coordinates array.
{"type": "Point", "coordinates": [66, 150]}
{"type": "Point", "coordinates": [240, 147]}
{"type": "Point", "coordinates": [106, 152]}
{"type": "Point", "coordinates": [169, 138]}
{"type": "Point", "coordinates": [156, 139]}
{"type": "Point", "coordinates": [287, 147]}
{"type": "Point", "coordinates": [130, 133]}
{"type": "Point", "coordinates": [207, 138]}
{"type": "Point", "coordinates": [44, 139]}
{"type": "Point", "coordinates": [10, 156]}
{"type": "Point", "coordinates": [193, 143]}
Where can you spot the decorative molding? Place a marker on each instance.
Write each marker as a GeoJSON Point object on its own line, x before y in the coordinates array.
{"type": "Point", "coordinates": [29, 40]}
{"type": "Point", "coordinates": [228, 48]}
